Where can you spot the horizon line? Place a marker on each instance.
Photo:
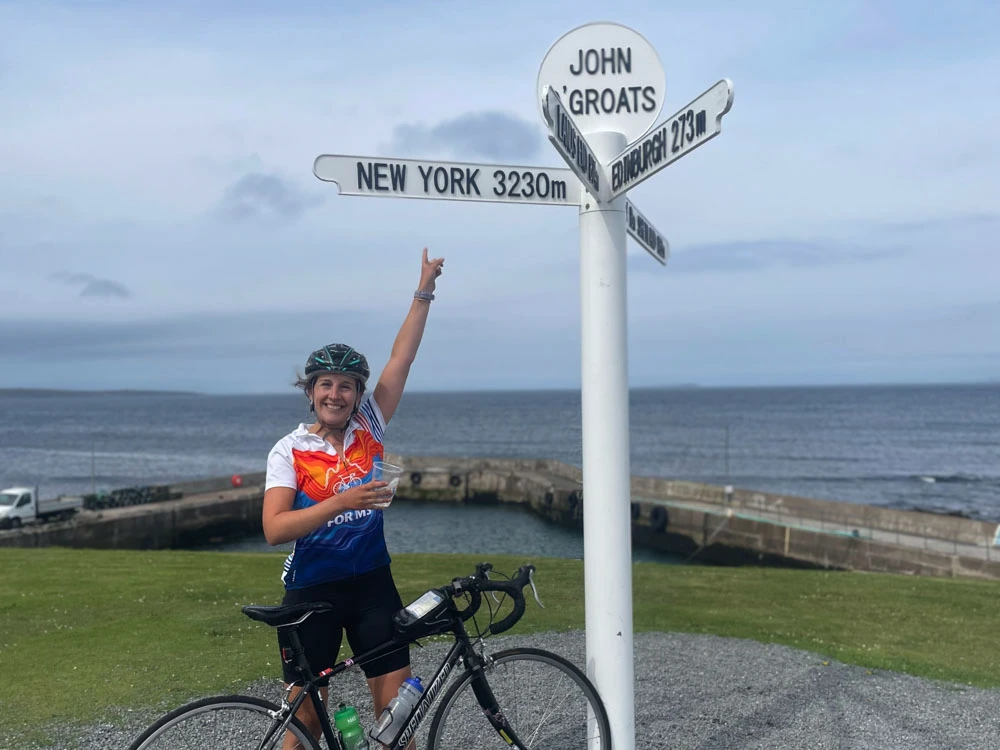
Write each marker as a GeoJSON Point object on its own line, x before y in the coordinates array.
{"type": "Point", "coordinates": [34, 390]}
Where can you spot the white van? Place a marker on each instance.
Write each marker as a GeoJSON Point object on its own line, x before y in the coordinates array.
{"type": "Point", "coordinates": [20, 505]}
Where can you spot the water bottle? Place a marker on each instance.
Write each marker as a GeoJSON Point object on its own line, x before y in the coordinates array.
{"type": "Point", "coordinates": [352, 735]}
{"type": "Point", "coordinates": [394, 717]}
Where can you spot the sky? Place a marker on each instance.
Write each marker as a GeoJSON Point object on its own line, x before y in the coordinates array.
{"type": "Point", "coordinates": [161, 227]}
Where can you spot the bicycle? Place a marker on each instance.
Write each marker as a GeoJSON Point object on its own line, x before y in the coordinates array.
{"type": "Point", "coordinates": [485, 706]}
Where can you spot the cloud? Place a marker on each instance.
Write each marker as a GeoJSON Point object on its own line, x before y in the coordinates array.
{"type": "Point", "coordinates": [258, 196]}
{"type": "Point", "coordinates": [262, 350]}
{"type": "Point", "coordinates": [91, 286]}
{"type": "Point", "coordinates": [105, 288]}
{"type": "Point", "coordinates": [981, 220]}
{"type": "Point", "coordinates": [222, 337]}
{"type": "Point", "coordinates": [974, 312]}
{"type": "Point", "coordinates": [758, 255]}
{"type": "Point", "coordinates": [489, 134]}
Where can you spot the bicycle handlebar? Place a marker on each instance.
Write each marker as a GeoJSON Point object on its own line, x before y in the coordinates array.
{"type": "Point", "coordinates": [479, 582]}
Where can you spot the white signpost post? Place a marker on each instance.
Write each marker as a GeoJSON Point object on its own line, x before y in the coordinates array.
{"type": "Point", "coordinates": [600, 88]}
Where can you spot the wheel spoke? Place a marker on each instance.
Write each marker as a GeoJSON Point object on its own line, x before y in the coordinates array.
{"type": "Point", "coordinates": [224, 723]}
{"type": "Point", "coordinates": [549, 703]}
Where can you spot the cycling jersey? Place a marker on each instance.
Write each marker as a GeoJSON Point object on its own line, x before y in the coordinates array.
{"type": "Point", "coordinates": [352, 542]}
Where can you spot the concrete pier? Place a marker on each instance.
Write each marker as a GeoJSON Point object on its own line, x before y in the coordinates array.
{"type": "Point", "coordinates": [704, 523]}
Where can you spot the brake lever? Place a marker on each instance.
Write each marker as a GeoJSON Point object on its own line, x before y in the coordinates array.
{"type": "Point", "coordinates": [493, 594]}
{"type": "Point", "coordinates": [531, 580]}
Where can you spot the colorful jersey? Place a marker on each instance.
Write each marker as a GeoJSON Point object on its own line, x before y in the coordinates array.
{"type": "Point", "coordinates": [352, 542]}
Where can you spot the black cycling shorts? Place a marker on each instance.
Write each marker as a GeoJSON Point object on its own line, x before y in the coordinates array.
{"type": "Point", "coordinates": [364, 606]}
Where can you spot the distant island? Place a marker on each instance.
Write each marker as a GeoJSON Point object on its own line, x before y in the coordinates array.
{"type": "Point", "coordinates": [68, 392]}
{"type": "Point", "coordinates": [671, 387]}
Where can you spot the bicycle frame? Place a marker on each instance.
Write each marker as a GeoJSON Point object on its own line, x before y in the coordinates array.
{"type": "Point", "coordinates": [435, 613]}
{"type": "Point", "coordinates": [462, 650]}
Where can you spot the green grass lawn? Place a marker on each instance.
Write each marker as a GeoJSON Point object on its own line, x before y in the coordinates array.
{"type": "Point", "coordinates": [84, 630]}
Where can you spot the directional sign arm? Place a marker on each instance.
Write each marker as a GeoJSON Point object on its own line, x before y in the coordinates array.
{"type": "Point", "coordinates": [682, 133]}
{"type": "Point", "coordinates": [643, 232]}
{"type": "Point", "coordinates": [460, 181]}
{"type": "Point", "coordinates": [572, 146]}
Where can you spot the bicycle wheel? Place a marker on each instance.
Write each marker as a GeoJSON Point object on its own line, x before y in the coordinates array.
{"type": "Point", "coordinates": [225, 722]}
{"type": "Point", "coordinates": [548, 701]}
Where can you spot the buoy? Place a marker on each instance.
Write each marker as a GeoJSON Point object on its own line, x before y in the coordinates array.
{"type": "Point", "coordinates": [237, 480]}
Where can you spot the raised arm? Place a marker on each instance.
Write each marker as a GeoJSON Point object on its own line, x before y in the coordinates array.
{"type": "Point", "coordinates": [391, 382]}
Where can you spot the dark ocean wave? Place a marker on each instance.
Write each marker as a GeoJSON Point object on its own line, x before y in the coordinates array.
{"type": "Point", "coordinates": [958, 478]}
{"type": "Point", "coordinates": [942, 510]}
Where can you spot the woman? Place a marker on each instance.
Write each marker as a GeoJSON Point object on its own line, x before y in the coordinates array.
{"type": "Point", "coordinates": [319, 493]}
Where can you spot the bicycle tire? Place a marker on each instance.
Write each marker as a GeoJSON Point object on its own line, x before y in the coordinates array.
{"type": "Point", "coordinates": [195, 725]}
{"type": "Point", "coordinates": [460, 722]}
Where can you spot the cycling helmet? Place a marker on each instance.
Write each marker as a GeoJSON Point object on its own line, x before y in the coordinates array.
{"type": "Point", "coordinates": [339, 358]}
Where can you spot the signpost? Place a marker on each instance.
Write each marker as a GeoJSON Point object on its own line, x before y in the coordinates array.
{"type": "Point", "coordinates": [695, 124]}
{"type": "Point", "coordinates": [458, 181]}
{"type": "Point", "coordinates": [600, 89]}
{"type": "Point", "coordinates": [610, 77]}
{"type": "Point", "coordinates": [572, 146]}
{"type": "Point", "coordinates": [645, 234]}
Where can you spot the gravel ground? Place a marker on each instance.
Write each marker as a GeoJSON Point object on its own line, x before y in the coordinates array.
{"type": "Point", "coordinates": [709, 693]}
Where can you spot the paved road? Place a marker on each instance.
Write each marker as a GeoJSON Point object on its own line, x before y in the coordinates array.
{"type": "Point", "coordinates": [696, 692]}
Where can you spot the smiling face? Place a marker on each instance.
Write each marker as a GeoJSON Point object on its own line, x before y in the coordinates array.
{"type": "Point", "coordinates": [334, 397]}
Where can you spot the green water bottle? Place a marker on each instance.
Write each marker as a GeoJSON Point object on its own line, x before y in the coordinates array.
{"type": "Point", "coordinates": [352, 735]}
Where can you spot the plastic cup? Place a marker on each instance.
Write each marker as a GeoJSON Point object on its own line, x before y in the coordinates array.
{"type": "Point", "coordinates": [385, 472]}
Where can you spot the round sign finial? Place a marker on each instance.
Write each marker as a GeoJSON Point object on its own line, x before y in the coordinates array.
{"type": "Point", "coordinates": [608, 76]}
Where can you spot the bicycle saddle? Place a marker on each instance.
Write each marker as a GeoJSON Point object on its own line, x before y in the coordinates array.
{"type": "Point", "coordinates": [283, 615]}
